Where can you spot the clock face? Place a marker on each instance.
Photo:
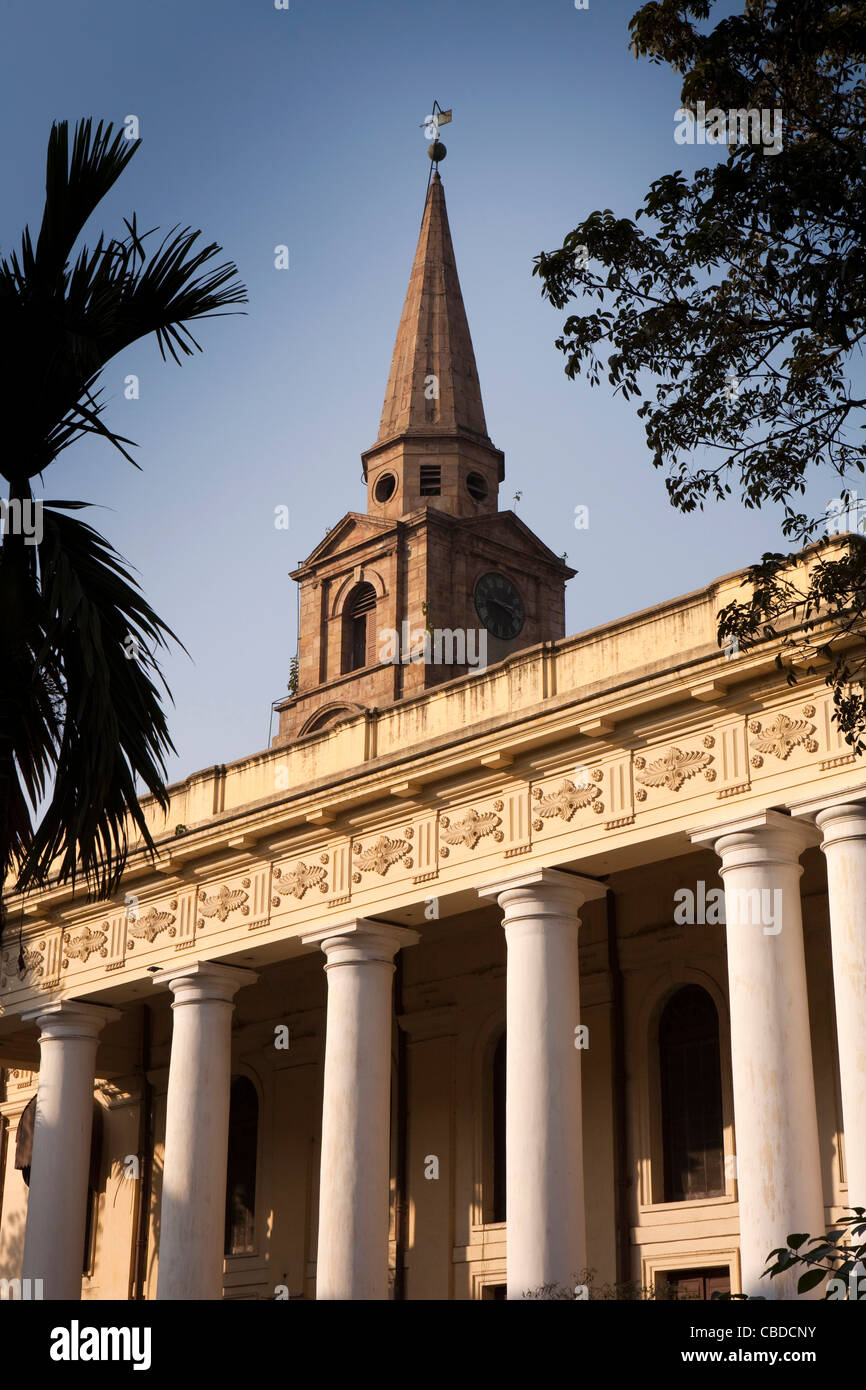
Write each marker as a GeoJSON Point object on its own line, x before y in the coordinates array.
{"type": "Point", "coordinates": [499, 606]}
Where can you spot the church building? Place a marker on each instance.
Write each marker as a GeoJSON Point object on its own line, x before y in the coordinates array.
{"type": "Point", "coordinates": [518, 962]}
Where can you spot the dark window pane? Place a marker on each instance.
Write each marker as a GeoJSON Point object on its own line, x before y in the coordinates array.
{"type": "Point", "coordinates": [690, 1284]}
{"type": "Point", "coordinates": [89, 1231]}
{"type": "Point", "coordinates": [360, 603]}
{"type": "Point", "coordinates": [241, 1176]}
{"type": "Point", "coordinates": [359, 643]}
{"type": "Point", "coordinates": [691, 1096]}
{"type": "Point", "coordinates": [93, 1184]}
{"type": "Point", "coordinates": [499, 1064]}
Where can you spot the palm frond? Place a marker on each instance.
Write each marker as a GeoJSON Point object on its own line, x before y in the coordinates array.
{"type": "Point", "coordinates": [97, 642]}
{"type": "Point", "coordinates": [63, 320]}
{"type": "Point", "coordinates": [74, 187]}
{"type": "Point", "coordinates": [81, 711]}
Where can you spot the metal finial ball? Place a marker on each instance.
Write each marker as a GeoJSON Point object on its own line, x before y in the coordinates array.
{"type": "Point", "coordinates": [437, 151]}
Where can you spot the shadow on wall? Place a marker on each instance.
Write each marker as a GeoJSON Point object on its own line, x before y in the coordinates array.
{"type": "Point", "coordinates": [153, 1222]}
{"type": "Point", "coordinates": [12, 1235]}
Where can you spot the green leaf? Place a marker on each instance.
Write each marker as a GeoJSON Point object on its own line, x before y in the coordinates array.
{"type": "Point", "coordinates": [81, 724]}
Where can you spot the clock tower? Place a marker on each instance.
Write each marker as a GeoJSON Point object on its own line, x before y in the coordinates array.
{"type": "Point", "coordinates": [433, 581]}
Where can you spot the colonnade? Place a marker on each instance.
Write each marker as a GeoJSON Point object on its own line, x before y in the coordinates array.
{"type": "Point", "coordinates": [778, 1163]}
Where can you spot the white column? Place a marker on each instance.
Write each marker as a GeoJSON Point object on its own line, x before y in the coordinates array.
{"type": "Point", "coordinates": [844, 844]}
{"type": "Point", "coordinates": [546, 1224]}
{"type": "Point", "coordinates": [778, 1159]}
{"type": "Point", "coordinates": [192, 1213]}
{"type": "Point", "coordinates": [57, 1204]}
{"type": "Point", "coordinates": [352, 1258]}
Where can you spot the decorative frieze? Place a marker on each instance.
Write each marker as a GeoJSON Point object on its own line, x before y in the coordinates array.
{"type": "Point", "coordinates": [32, 957]}
{"type": "Point", "coordinates": [511, 814]}
{"type": "Point", "coordinates": [672, 770]}
{"type": "Point", "coordinates": [837, 752]}
{"type": "Point", "coordinates": [731, 758]}
{"type": "Point", "coordinates": [230, 900]}
{"type": "Point", "coordinates": [735, 790]}
{"type": "Point", "coordinates": [564, 801]}
{"type": "Point", "coordinates": [146, 926]}
{"type": "Point", "coordinates": [381, 854]}
{"type": "Point", "coordinates": [425, 846]}
{"type": "Point", "coordinates": [21, 1079]}
{"type": "Point", "coordinates": [471, 827]}
{"type": "Point", "coordinates": [222, 904]}
{"type": "Point", "coordinates": [82, 945]}
{"type": "Point", "coordinates": [618, 792]}
{"type": "Point", "coordinates": [827, 764]}
{"type": "Point", "coordinates": [478, 828]}
{"type": "Point", "coordinates": [782, 734]}
{"type": "Point", "coordinates": [300, 879]}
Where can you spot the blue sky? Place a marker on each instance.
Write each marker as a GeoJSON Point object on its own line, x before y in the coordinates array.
{"type": "Point", "coordinates": [302, 127]}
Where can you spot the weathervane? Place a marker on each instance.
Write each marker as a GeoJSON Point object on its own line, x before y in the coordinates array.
{"type": "Point", "coordinates": [431, 124]}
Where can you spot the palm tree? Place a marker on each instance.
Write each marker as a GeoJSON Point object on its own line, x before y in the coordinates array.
{"type": "Point", "coordinates": [81, 711]}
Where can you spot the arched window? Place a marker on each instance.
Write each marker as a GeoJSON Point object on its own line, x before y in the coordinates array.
{"type": "Point", "coordinates": [241, 1175]}
{"type": "Point", "coordinates": [332, 715]}
{"type": "Point", "coordinates": [357, 628]}
{"type": "Point", "coordinates": [499, 1065]}
{"type": "Point", "coordinates": [691, 1097]}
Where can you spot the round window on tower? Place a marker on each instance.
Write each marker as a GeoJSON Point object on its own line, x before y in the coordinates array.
{"type": "Point", "coordinates": [476, 486]}
{"type": "Point", "coordinates": [385, 487]}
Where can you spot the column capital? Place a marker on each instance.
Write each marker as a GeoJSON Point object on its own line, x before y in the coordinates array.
{"type": "Point", "coordinates": [841, 817]}
{"type": "Point", "coordinates": [850, 798]}
{"type": "Point", "coordinates": [845, 821]}
{"type": "Point", "coordinates": [361, 939]}
{"type": "Point", "coordinates": [68, 1019]}
{"type": "Point", "coordinates": [766, 837]}
{"type": "Point", "coordinates": [562, 890]}
{"type": "Point", "coordinates": [198, 981]}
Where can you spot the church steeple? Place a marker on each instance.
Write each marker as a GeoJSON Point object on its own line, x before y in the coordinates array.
{"type": "Point", "coordinates": [433, 341]}
{"type": "Point", "coordinates": [433, 449]}
{"type": "Point", "coordinates": [432, 553]}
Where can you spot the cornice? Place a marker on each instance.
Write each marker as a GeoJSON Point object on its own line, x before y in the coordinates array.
{"type": "Point", "coordinates": [602, 720]}
{"type": "Point", "coordinates": [389, 846]}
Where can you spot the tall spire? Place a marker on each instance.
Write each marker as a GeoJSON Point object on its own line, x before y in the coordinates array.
{"type": "Point", "coordinates": [433, 450]}
{"type": "Point", "coordinates": [433, 385]}
{"type": "Point", "coordinates": [432, 546]}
